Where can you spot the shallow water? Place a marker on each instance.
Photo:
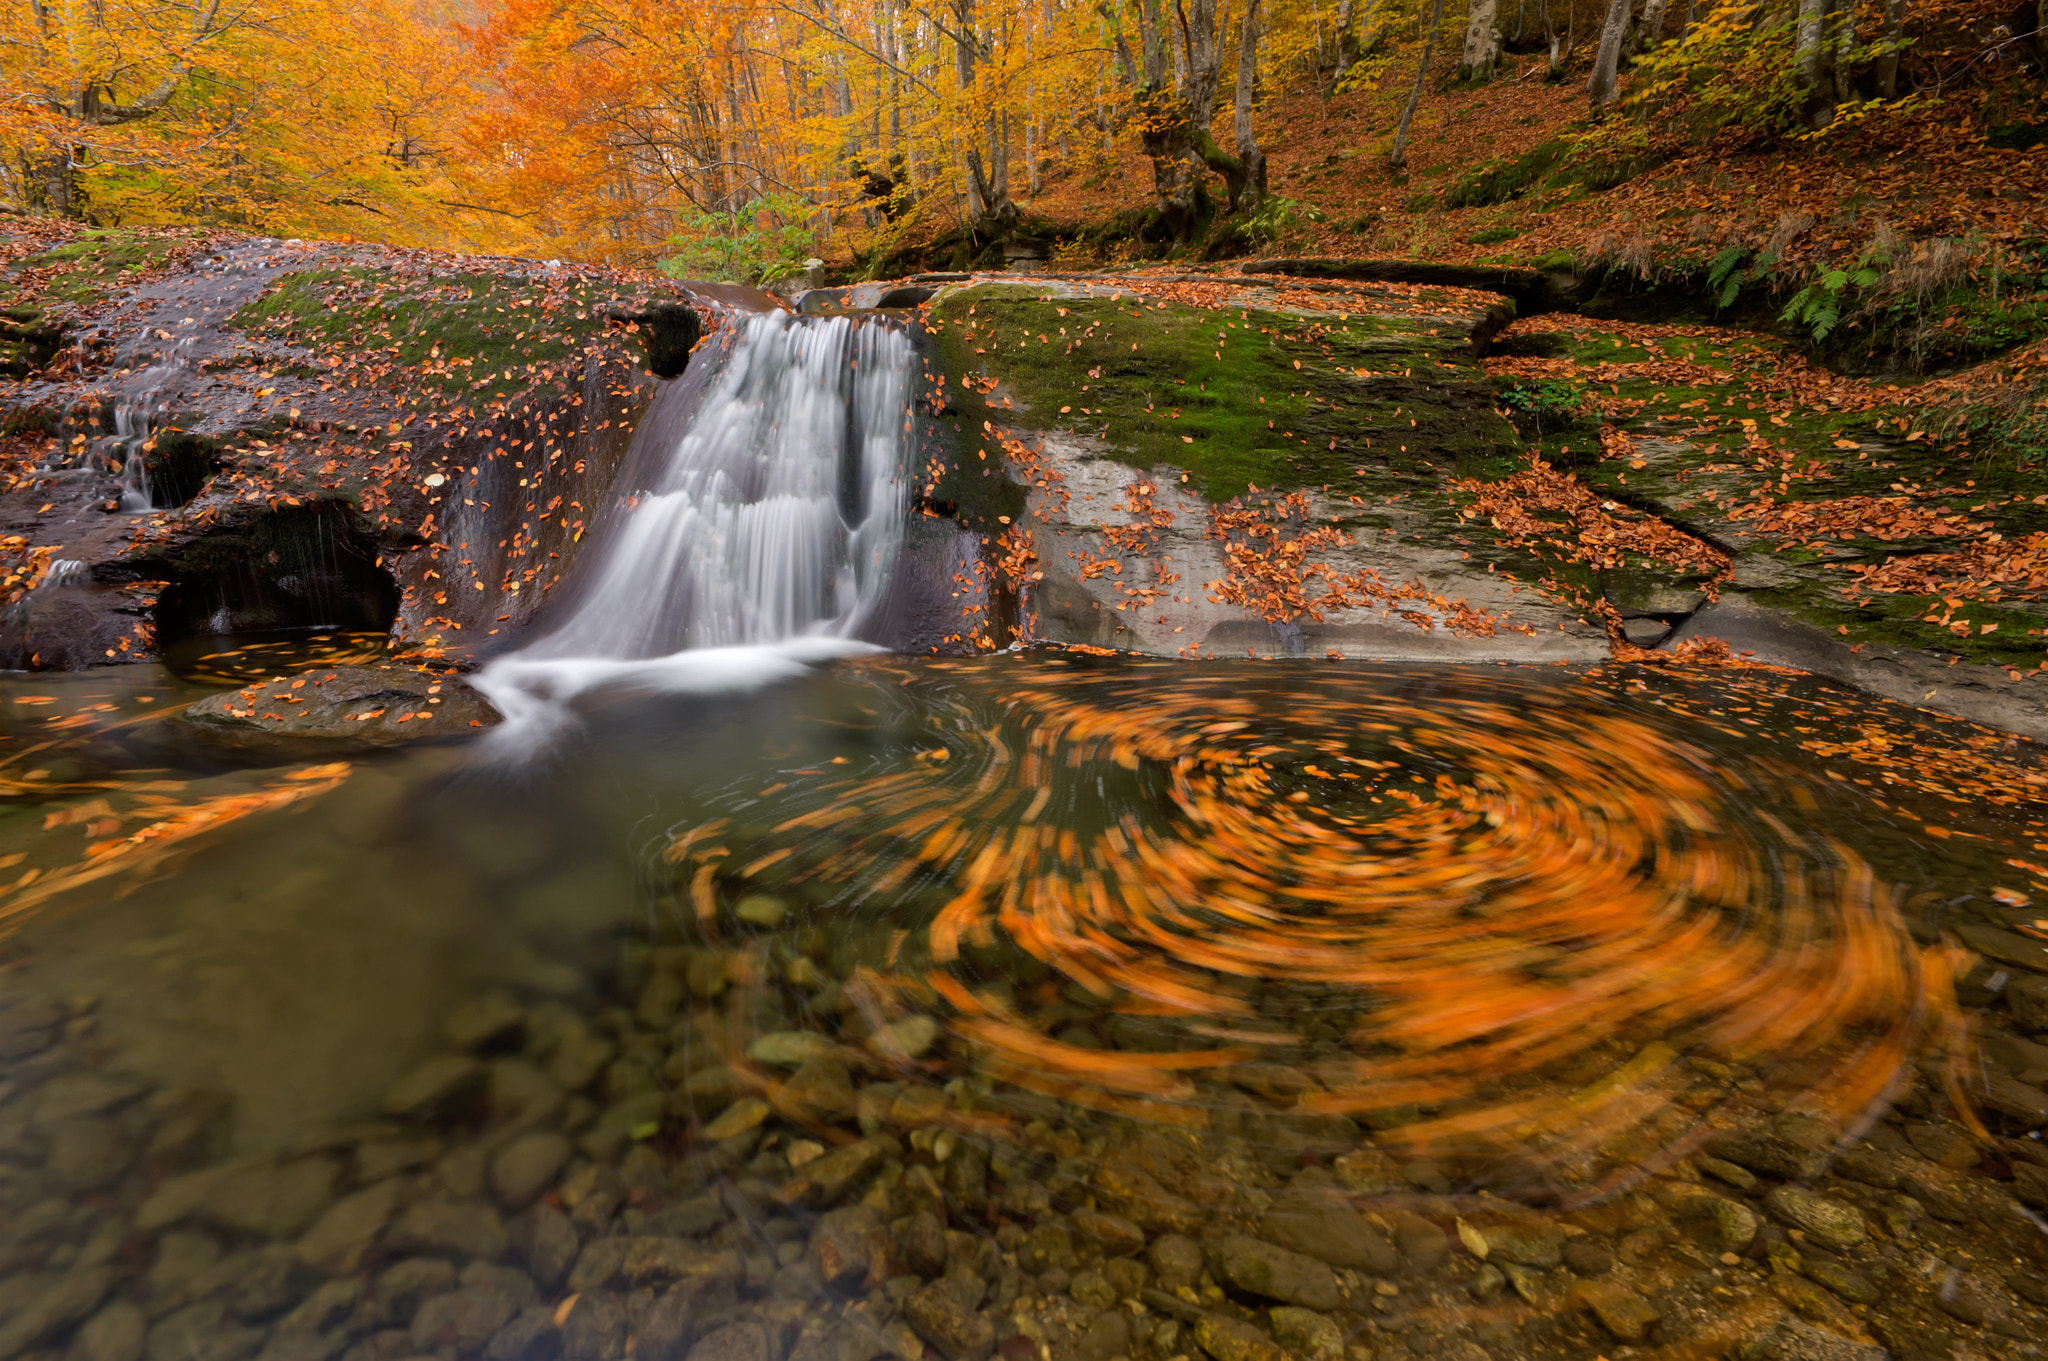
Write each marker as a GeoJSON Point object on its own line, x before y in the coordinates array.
{"type": "Point", "coordinates": [1065, 961]}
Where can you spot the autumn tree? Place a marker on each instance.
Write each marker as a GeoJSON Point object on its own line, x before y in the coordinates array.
{"type": "Point", "coordinates": [313, 118]}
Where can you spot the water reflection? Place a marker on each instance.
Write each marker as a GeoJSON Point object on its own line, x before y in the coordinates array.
{"type": "Point", "coordinates": [1061, 1008]}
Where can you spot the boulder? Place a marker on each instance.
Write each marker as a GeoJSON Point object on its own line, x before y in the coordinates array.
{"type": "Point", "coordinates": [350, 703]}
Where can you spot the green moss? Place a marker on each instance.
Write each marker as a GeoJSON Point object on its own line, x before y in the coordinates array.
{"type": "Point", "coordinates": [472, 333]}
{"type": "Point", "coordinates": [1900, 621]}
{"type": "Point", "coordinates": [1236, 398]}
{"type": "Point", "coordinates": [1506, 177]}
{"type": "Point", "coordinates": [1494, 235]}
{"type": "Point", "coordinates": [98, 262]}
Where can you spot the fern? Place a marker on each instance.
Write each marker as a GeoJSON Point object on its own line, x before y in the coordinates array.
{"type": "Point", "coordinates": [1722, 278]}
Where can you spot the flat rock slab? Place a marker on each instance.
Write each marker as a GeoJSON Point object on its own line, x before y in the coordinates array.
{"type": "Point", "coordinates": [359, 703]}
{"type": "Point", "coordinates": [1759, 633]}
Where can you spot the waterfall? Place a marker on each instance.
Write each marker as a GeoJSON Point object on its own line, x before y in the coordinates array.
{"type": "Point", "coordinates": [134, 420]}
{"type": "Point", "coordinates": [760, 539]}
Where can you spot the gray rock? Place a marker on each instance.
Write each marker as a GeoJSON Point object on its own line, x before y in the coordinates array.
{"type": "Point", "coordinates": [705, 1090]}
{"type": "Point", "coordinates": [2021, 1101]}
{"type": "Point", "coordinates": [265, 1282]}
{"type": "Point", "coordinates": [1737, 1176]}
{"type": "Point", "coordinates": [88, 1151]}
{"type": "Point", "coordinates": [1795, 1153]}
{"type": "Point", "coordinates": [827, 1180]}
{"type": "Point", "coordinates": [1092, 1290]}
{"type": "Point", "coordinates": [327, 1306]}
{"type": "Point", "coordinates": [1305, 1332]}
{"type": "Point", "coordinates": [1735, 1224]}
{"type": "Point", "coordinates": [447, 1087]}
{"type": "Point", "coordinates": [28, 1028]}
{"type": "Point", "coordinates": [1588, 1257]}
{"type": "Point", "coordinates": [457, 1228]}
{"type": "Point", "coordinates": [464, 1320]}
{"type": "Point", "coordinates": [1627, 1315]}
{"type": "Point", "coordinates": [910, 1038]}
{"type": "Point", "coordinates": [848, 1243]}
{"type": "Point", "coordinates": [942, 1319]}
{"type": "Point", "coordinates": [508, 1281]}
{"type": "Point", "coordinates": [1049, 1245]}
{"type": "Point", "coordinates": [2028, 998]}
{"type": "Point", "coordinates": [1870, 1166]}
{"type": "Point", "coordinates": [1229, 1339]}
{"type": "Point", "coordinates": [1831, 1222]}
{"type": "Point", "coordinates": [1107, 1337]}
{"type": "Point", "coordinates": [679, 1317]}
{"type": "Point", "coordinates": [821, 1091]}
{"type": "Point", "coordinates": [334, 702]}
{"type": "Point", "coordinates": [734, 1342]}
{"type": "Point", "coordinates": [788, 1048]}
{"type": "Point", "coordinates": [2007, 947]}
{"type": "Point", "coordinates": [1851, 1285]}
{"type": "Point", "coordinates": [296, 1345]}
{"type": "Point", "coordinates": [403, 1286]}
{"type": "Point", "coordinates": [115, 1333]}
{"type": "Point", "coordinates": [492, 1021]}
{"type": "Point", "coordinates": [1424, 1246]}
{"type": "Point", "coordinates": [530, 1336]}
{"type": "Point", "coordinates": [595, 1329]}
{"type": "Point", "coordinates": [271, 1201]}
{"type": "Point", "coordinates": [1115, 1235]}
{"type": "Point", "coordinates": [202, 1332]}
{"type": "Point", "coordinates": [1793, 1339]}
{"type": "Point", "coordinates": [50, 1305]}
{"type": "Point", "coordinates": [91, 1092]}
{"type": "Point", "coordinates": [1176, 1261]}
{"type": "Point", "coordinates": [341, 1238]}
{"type": "Point", "coordinates": [525, 1167]}
{"type": "Point", "coordinates": [182, 1256]}
{"type": "Point", "coordinates": [921, 1244]}
{"type": "Point", "coordinates": [1321, 1226]}
{"type": "Point", "coordinates": [546, 1241]}
{"type": "Point", "coordinates": [1272, 1272]}
{"type": "Point", "coordinates": [1127, 1276]}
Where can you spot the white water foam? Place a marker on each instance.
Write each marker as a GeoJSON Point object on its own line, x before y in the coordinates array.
{"type": "Point", "coordinates": [759, 545]}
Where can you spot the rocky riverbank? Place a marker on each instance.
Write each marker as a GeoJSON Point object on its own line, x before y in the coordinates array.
{"type": "Point", "coordinates": [1291, 458]}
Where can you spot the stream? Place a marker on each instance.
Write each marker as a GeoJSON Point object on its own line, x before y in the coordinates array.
{"type": "Point", "coordinates": [755, 994]}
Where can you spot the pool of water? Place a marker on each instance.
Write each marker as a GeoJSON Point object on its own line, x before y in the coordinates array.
{"type": "Point", "coordinates": [1041, 1004]}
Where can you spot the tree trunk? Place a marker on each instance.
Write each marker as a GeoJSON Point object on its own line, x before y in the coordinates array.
{"type": "Point", "coordinates": [1844, 46]}
{"type": "Point", "coordinates": [1482, 40]}
{"type": "Point", "coordinates": [1347, 45]}
{"type": "Point", "coordinates": [1887, 68]}
{"type": "Point", "coordinates": [1398, 159]}
{"type": "Point", "coordinates": [1651, 30]}
{"type": "Point", "coordinates": [1601, 89]}
{"type": "Point", "coordinates": [1809, 55]}
{"type": "Point", "coordinates": [1249, 156]}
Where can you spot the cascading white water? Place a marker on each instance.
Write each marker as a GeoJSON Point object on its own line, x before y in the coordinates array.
{"type": "Point", "coordinates": [134, 417]}
{"type": "Point", "coordinates": [763, 541]}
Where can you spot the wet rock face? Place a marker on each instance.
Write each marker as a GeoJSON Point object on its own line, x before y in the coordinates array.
{"type": "Point", "coordinates": [274, 570]}
{"type": "Point", "coordinates": [353, 703]}
{"type": "Point", "coordinates": [252, 380]}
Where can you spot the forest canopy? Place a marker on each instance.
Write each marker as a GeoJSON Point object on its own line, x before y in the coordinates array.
{"type": "Point", "coordinates": [740, 138]}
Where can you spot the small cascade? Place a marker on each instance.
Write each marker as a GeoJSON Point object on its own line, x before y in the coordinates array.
{"type": "Point", "coordinates": [761, 538]}
{"type": "Point", "coordinates": [135, 416]}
